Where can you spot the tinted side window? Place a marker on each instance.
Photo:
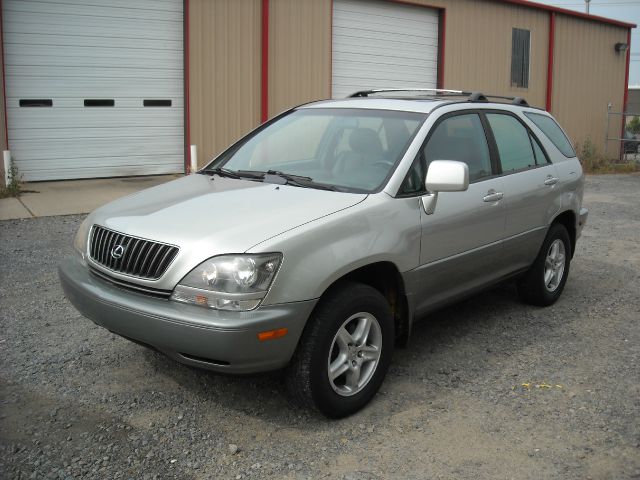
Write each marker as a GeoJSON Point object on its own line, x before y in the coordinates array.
{"type": "Point", "coordinates": [514, 145]}
{"type": "Point", "coordinates": [551, 129]}
{"type": "Point", "coordinates": [461, 138]}
{"type": "Point", "coordinates": [541, 158]}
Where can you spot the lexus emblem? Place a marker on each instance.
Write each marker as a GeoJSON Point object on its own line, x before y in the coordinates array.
{"type": "Point", "coordinates": [117, 251]}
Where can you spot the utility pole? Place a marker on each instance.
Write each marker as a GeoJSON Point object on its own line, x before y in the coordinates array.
{"type": "Point", "coordinates": [587, 2]}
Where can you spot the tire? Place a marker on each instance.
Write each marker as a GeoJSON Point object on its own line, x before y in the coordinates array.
{"type": "Point", "coordinates": [544, 282]}
{"type": "Point", "coordinates": [336, 323]}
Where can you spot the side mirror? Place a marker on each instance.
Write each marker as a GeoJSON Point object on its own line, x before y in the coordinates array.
{"type": "Point", "coordinates": [444, 176]}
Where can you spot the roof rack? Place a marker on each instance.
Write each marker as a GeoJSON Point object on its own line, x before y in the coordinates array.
{"type": "Point", "coordinates": [476, 97]}
{"type": "Point", "coordinates": [366, 93]}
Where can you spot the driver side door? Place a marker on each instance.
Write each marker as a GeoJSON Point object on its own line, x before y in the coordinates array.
{"type": "Point", "coordinates": [461, 241]}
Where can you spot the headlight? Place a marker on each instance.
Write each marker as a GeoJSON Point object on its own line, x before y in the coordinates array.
{"type": "Point", "coordinates": [80, 240]}
{"type": "Point", "coordinates": [229, 282]}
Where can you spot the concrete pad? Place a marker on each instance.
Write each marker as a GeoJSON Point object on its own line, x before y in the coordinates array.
{"type": "Point", "coordinates": [11, 208]}
{"type": "Point", "coordinates": [83, 196]}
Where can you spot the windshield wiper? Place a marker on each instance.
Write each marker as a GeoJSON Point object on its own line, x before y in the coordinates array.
{"type": "Point", "coordinates": [280, 178]}
{"type": "Point", "coordinates": [223, 172]}
{"type": "Point", "coordinates": [301, 181]}
{"type": "Point", "coordinates": [290, 176]}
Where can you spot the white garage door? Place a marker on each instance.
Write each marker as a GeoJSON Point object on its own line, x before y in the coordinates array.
{"type": "Point", "coordinates": [94, 88]}
{"type": "Point", "coordinates": [378, 44]}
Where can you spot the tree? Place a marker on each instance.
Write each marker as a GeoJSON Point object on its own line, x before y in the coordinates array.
{"type": "Point", "coordinates": [634, 125]}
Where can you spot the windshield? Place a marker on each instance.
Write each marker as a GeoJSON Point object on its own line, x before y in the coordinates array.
{"type": "Point", "coordinates": [347, 149]}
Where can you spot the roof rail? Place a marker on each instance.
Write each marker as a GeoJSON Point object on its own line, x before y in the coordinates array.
{"type": "Point", "coordinates": [366, 93]}
{"type": "Point", "coordinates": [477, 97]}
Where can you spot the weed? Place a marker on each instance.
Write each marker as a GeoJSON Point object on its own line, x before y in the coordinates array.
{"type": "Point", "coordinates": [595, 162]}
{"type": "Point", "coordinates": [14, 187]}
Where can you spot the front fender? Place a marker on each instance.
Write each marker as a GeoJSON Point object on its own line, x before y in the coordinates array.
{"type": "Point", "coordinates": [318, 253]}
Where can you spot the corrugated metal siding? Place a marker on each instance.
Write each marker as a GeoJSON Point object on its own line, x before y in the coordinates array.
{"type": "Point", "coordinates": [477, 54]}
{"type": "Point", "coordinates": [588, 74]}
{"type": "Point", "coordinates": [74, 50]}
{"type": "Point", "coordinates": [299, 52]}
{"type": "Point", "coordinates": [477, 57]}
{"type": "Point", "coordinates": [224, 72]}
{"type": "Point", "coordinates": [478, 47]}
{"type": "Point", "coordinates": [378, 44]}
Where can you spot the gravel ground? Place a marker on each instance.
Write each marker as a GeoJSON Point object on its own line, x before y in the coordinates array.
{"type": "Point", "coordinates": [487, 389]}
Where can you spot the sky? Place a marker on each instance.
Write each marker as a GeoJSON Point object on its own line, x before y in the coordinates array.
{"type": "Point", "coordinates": [625, 10]}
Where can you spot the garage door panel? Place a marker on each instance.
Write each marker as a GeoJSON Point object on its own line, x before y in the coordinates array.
{"type": "Point", "coordinates": [111, 133]}
{"type": "Point", "coordinates": [383, 80]}
{"type": "Point", "coordinates": [160, 5]}
{"type": "Point", "coordinates": [98, 161]}
{"type": "Point", "coordinates": [69, 51]}
{"type": "Point", "coordinates": [382, 35]}
{"type": "Point", "coordinates": [373, 59]}
{"type": "Point", "coordinates": [121, 102]}
{"type": "Point", "coordinates": [89, 61]}
{"type": "Point", "coordinates": [112, 54]}
{"type": "Point", "coordinates": [355, 44]}
{"type": "Point", "coordinates": [99, 117]}
{"type": "Point", "coordinates": [380, 44]}
{"type": "Point", "coordinates": [54, 72]}
{"type": "Point", "coordinates": [104, 166]}
{"type": "Point", "coordinates": [95, 88]}
{"type": "Point", "coordinates": [83, 9]}
{"type": "Point", "coordinates": [120, 31]}
{"type": "Point", "coordinates": [47, 149]}
{"type": "Point", "coordinates": [381, 24]}
{"type": "Point", "coordinates": [40, 20]}
{"type": "Point", "coordinates": [89, 41]}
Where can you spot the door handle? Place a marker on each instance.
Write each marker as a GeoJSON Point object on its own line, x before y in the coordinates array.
{"type": "Point", "coordinates": [551, 180]}
{"type": "Point", "coordinates": [493, 196]}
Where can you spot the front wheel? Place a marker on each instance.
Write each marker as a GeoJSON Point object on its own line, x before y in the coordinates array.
{"type": "Point", "coordinates": [542, 285]}
{"type": "Point", "coordinates": [344, 352]}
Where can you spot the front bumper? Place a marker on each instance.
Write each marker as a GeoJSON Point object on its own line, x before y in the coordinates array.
{"type": "Point", "coordinates": [212, 339]}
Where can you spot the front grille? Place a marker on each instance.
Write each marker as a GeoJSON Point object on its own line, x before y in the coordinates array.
{"type": "Point", "coordinates": [130, 255]}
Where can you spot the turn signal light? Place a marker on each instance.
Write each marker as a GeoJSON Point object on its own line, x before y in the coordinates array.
{"type": "Point", "coordinates": [271, 334]}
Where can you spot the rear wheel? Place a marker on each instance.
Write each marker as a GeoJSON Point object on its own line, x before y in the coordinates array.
{"type": "Point", "coordinates": [544, 282]}
{"type": "Point", "coordinates": [344, 352]}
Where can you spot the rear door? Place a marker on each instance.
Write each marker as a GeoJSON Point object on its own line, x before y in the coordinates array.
{"type": "Point", "coordinates": [530, 182]}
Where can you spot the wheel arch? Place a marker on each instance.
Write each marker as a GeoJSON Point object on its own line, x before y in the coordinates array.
{"type": "Point", "coordinates": [385, 277]}
{"type": "Point", "coordinates": [568, 220]}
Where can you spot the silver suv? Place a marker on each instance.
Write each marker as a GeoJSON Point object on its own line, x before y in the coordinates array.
{"type": "Point", "coordinates": [313, 243]}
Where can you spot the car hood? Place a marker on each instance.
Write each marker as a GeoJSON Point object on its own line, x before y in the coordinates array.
{"type": "Point", "coordinates": [207, 216]}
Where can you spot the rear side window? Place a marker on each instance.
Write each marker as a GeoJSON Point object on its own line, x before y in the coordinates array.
{"type": "Point", "coordinates": [513, 141]}
{"type": "Point", "coordinates": [551, 129]}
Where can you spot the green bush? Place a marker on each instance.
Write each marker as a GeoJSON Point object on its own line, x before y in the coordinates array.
{"type": "Point", "coordinates": [634, 125]}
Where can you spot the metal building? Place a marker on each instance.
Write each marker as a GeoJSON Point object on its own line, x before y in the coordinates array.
{"type": "Point", "coordinates": [99, 89]}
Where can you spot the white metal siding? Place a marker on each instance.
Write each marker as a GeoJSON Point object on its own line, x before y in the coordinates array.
{"type": "Point", "coordinates": [72, 50]}
{"type": "Point", "coordinates": [378, 44]}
